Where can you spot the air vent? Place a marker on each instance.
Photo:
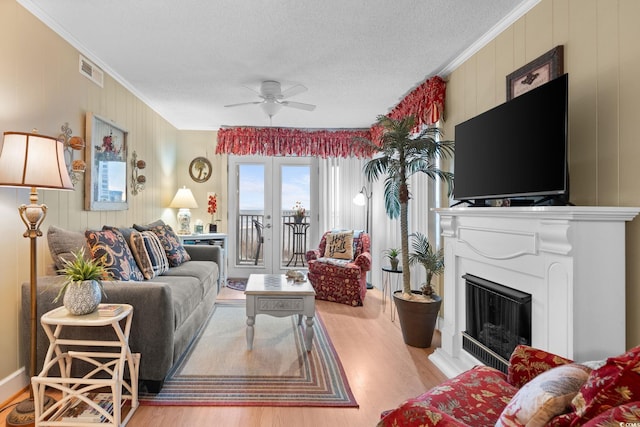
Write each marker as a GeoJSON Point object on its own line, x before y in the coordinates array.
{"type": "Point", "coordinates": [91, 71]}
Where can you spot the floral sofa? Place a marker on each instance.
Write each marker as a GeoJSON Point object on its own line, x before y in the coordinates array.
{"type": "Point", "coordinates": [338, 268]}
{"type": "Point", "coordinates": [540, 389]}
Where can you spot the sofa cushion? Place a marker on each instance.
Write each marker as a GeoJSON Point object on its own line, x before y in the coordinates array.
{"type": "Point", "coordinates": [186, 294]}
{"type": "Point", "coordinates": [616, 383]}
{"type": "Point", "coordinates": [527, 362]}
{"type": "Point", "coordinates": [339, 245]}
{"type": "Point", "coordinates": [547, 395]}
{"type": "Point", "coordinates": [623, 415]}
{"type": "Point", "coordinates": [176, 254]}
{"type": "Point", "coordinates": [428, 417]}
{"type": "Point", "coordinates": [482, 388]}
{"type": "Point", "coordinates": [62, 244]}
{"type": "Point", "coordinates": [113, 250]}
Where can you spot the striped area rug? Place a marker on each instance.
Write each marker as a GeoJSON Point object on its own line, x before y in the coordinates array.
{"type": "Point", "coordinates": [218, 370]}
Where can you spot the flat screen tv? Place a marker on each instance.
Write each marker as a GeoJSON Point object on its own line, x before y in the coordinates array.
{"type": "Point", "coordinates": [517, 150]}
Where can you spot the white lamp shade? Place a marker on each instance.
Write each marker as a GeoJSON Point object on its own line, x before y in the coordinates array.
{"type": "Point", "coordinates": [360, 199]}
{"type": "Point", "coordinates": [31, 160]}
{"type": "Point", "coordinates": [184, 199]}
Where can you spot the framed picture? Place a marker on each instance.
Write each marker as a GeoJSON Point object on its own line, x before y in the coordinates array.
{"type": "Point", "coordinates": [106, 158]}
{"type": "Point", "coordinates": [200, 169]}
{"type": "Point", "coordinates": [537, 72]}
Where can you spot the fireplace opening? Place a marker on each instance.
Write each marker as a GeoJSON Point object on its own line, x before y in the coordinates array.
{"type": "Point", "coordinates": [498, 319]}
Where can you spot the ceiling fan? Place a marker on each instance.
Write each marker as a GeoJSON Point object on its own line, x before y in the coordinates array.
{"type": "Point", "coordinates": [273, 98]}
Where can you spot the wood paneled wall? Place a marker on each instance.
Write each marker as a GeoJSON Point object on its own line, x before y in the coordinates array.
{"type": "Point", "coordinates": [602, 58]}
{"type": "Point", "coordinates": [40, 87]}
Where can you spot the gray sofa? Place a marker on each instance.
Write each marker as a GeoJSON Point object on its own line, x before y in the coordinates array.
{"type": "Point", "coordinates": [168, 309]}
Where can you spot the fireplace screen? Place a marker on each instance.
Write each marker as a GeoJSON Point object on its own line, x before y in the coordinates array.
{"type": "Point", "coordinates": [498, 319]}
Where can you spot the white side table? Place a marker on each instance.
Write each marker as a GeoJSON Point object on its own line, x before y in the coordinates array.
{"type": "Point", "coordinates": [109, 401]}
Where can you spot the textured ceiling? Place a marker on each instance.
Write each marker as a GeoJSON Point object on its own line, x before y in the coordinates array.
{"type": "Point", "coordinates": [187, 59]}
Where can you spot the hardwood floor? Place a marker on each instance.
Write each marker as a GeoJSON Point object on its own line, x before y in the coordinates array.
{"type": "Point", "coordinates": [381, 369]}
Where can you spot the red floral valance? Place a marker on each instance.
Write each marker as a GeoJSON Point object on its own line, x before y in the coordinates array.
{"type": "Point", "coordinates": [425, 102]}
{"type": "Point", "coordinates": [292, 142]}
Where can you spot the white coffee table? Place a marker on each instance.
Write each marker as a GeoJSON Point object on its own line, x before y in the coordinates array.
{"type": "Point", "coordinates": [275, 295]}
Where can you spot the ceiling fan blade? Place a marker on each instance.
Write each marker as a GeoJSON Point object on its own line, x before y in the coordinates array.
{"type": "Point", "coordinates": [299, 105]}
{"type": "Point", "coordinates": [293, 90]}
{"type": "Point", "coordinates": [244, 103]}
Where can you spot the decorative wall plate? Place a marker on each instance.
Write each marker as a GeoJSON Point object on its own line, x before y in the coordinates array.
{"type": "Point", "coordinates": [200, 169]}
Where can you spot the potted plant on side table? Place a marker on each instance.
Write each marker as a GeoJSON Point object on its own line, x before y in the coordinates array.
{"type": "Point", "coordinates": [402, 153]}
{"type": "Point", "coordinates": [392, 255]}
{"type": "Point", "coordinates": [82, 291]}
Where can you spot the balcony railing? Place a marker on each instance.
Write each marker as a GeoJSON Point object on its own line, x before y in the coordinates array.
{"type": "Point", "coordinates": [294, 239]}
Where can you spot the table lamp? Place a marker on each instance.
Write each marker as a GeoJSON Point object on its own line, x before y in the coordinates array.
{"type": "Point", "coordinates": [184, 201]}
{"type": "Point", "coordinates": [32, 161]}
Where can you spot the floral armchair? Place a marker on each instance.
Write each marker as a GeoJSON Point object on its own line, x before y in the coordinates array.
{"type": "Point", "coordinates": [338, 268]}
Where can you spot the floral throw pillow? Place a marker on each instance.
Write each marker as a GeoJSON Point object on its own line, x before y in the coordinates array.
{"type": "Point", "coordinates": [547, 395]}
{"type": "Point", "coordinates": [527, 362]}
{"type": "Point", "coordinates": [616, 383]}
{"type": "Point", "coordinates": [176, 253]}
{"type": "Point", "coordinates": [111, 247]}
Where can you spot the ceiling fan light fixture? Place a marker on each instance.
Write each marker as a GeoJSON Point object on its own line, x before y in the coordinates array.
{"type": "Point", "coordinates": [270, 108]}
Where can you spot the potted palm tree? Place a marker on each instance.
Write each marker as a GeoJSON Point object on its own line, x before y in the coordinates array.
{"type": "Point", "coordinates": [401, 154]}
{"type": "Point", "coordinates": [433, 263]}
{"type": "Point", "coordinates": [82, 290]}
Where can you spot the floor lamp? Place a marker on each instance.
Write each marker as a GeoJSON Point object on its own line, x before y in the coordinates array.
{"type": "Point", "coordinates": [33, 161]}
{"type": "Point", "coordinates": [364, 199]}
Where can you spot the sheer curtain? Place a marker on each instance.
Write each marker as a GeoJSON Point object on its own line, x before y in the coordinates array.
{"type": "Point", "coordinates": [340, 179]}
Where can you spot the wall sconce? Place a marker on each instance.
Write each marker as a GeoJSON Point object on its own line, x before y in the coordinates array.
{"type": "Point", "coordinates": [138, 180]}
{"type": "Point", "coordinates": [71, 144]}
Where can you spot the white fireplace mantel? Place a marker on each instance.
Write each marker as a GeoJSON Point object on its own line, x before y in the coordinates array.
{"type": "Point", "coordinates": [570, 259]}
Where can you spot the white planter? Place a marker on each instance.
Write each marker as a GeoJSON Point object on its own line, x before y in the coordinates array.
{"type": "Point", "coordinates": [82, 297]}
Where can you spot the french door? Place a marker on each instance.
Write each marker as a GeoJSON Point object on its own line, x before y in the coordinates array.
{"type": "Point", "coordinates": [266, 233]}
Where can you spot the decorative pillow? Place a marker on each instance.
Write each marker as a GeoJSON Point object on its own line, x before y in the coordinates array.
{"type": "Point", "coordinates": [616, 383]}
{"type": "Point", "coordinates": [176, 253]}
{"type": "Point", "coordinates": [110, 246]}
{"type": "Point", "coordinates": [62, 244]}
{"type": "Point", "coordinates": [140, 254]}
{"type": "Point", "coordinates": [148, 244]}
{"type": "Point", "coordinates": [527, 362]}
{"type": "Point", "coordinates": [547, 395]}
{"type": "Point", "coordinates": [339, 245]}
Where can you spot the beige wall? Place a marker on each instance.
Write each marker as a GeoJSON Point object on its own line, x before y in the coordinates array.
{"type": "Point", "coordinates": [602, 57]}
{"type": "Point", "coordinates": [40, 87]}
{"type": "Point", "coordinates": [194, 144]}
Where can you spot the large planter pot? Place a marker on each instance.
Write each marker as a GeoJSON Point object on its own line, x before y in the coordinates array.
{"type": "Point", "coordinates": [417, 319]}
{"type": "Point", "coordinates": [82, 297]}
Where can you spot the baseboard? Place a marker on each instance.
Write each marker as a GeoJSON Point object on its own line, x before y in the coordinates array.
{"type": "Point", "coordinates": [13, 384]}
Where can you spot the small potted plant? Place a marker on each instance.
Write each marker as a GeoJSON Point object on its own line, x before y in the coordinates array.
{"type": "Point", "coordinates": [212, 208]}
{"type": "Point", "coordinates": [82, 287]}
{"type": "Point", "coordinates": [298, 212]}
{"type": "Point", "coordinates": [392, 255]}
